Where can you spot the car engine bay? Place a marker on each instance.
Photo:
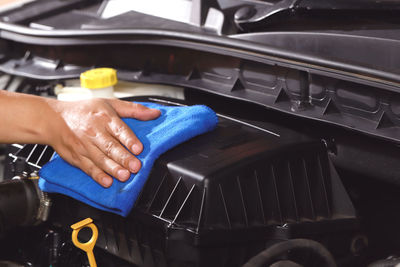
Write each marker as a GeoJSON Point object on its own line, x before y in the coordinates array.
{"type": "Point", "coordinates": [302, 169]}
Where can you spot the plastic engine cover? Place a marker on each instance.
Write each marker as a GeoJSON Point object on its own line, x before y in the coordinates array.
{"type": "Point", "coordinates": [217, 200]}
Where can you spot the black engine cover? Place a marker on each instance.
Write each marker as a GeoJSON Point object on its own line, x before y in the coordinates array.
{"type": "Point", "coordinates": [220, 198]}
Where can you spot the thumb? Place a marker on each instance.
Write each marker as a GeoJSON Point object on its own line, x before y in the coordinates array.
{"type": "Point", "coordinates": [134, 110]}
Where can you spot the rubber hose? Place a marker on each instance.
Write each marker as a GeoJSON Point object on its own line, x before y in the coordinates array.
{"type": "Point", "coordinates": [268, 255]}
{"type": "Point", "coordinates": [386, 263]}
{"type": "Point", "coordinates": [285, 263]}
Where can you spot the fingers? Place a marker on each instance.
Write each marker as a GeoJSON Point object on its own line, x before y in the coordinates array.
{"type": "Point", "coordinates": [115, 151]}
{"type": "Point", "coordinates": [101, 163]}
{"type": "Point", "coordinates": [134, 110]}
{"type": "Point", "coordinates": [108, 165]}
{"type": "Point", "coordinates": [95, 172]}
{"type": "Point", "coordinates": [125, 136]}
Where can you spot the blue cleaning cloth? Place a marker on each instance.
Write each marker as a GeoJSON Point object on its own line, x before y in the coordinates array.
{"type": "Point", "coordinates": [174, 126]}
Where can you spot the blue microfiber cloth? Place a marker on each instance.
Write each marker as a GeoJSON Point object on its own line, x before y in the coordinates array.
{"type": "Point", "coordinates": [174, 126]}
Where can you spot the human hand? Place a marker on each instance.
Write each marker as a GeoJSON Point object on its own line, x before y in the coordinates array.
{"type": "Point", "coordinates": [90, 135]}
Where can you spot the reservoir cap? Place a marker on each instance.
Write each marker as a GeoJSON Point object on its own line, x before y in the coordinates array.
{"type": "Point", "coordinates": [99, 78]}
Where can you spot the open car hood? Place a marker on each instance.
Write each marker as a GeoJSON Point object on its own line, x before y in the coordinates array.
{"type": "Point", "coordinates": [332, 63]}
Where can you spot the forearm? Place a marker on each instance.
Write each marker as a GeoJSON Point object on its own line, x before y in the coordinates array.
{"type": "Point", "coordinates": [24, 118]}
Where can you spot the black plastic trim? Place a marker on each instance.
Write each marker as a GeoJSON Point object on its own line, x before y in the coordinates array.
{"type": "Point", "coordinates": [204, 42]}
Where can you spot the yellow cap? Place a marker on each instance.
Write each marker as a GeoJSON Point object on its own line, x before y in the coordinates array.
{"type": "Point", "coordinates": [99, 78]}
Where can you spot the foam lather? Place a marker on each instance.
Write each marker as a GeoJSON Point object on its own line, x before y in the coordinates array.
{"type": "Point", "coordinates": [175, 125]}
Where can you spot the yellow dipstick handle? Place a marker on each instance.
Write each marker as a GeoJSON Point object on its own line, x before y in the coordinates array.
{"type": "Point", "coordinates": [88, 246]}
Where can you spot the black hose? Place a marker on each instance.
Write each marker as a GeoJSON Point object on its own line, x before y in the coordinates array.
{"type": "Point", "coordinates": [271, 254]}
{"type": "Point", "coordinates": [285, 263]}
{"type": "Point", "coordinates": [19, 203]}
{"type": "Point", "coordinates": [391, 262]}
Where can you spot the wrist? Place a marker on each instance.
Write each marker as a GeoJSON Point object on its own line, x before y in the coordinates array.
{"type": "Point", "coordinates": [51, 123]}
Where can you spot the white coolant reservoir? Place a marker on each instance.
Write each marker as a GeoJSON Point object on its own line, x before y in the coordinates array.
{"type": "Point", "coordinates": [72, 93]}
{"type": "Point", "coordinates": [103, 83]}
{"type": "Point", "coordinates": [94, 83]}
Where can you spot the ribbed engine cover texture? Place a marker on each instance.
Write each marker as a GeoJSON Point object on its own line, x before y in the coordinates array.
{"type": "Point", "coordinates": [220, 198]}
